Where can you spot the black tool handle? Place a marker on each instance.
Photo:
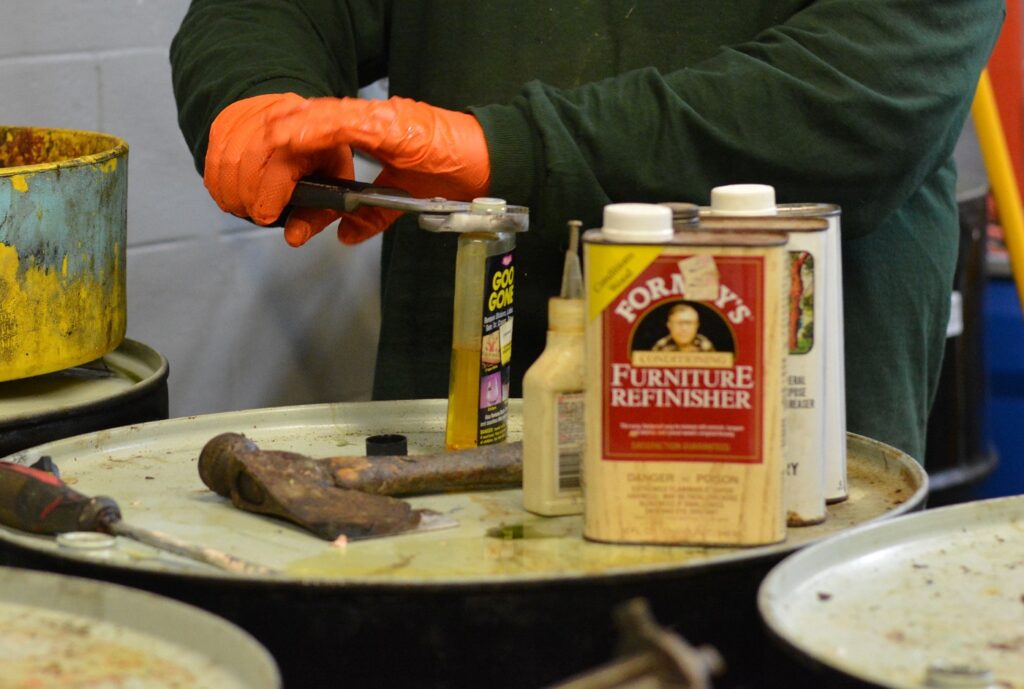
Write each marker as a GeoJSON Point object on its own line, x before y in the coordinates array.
{"type": "Point", "coordinates": [39, 502]}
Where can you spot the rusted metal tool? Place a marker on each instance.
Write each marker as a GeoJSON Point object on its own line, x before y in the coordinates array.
{"type": "Point", "coordinates": [480, 468]}
{"type": "Point", "coordinates": [651, 657]}
{"type": "Point", "coordinates": [349, 496]}
{"type": "Point", "coordinates": [36, 500]}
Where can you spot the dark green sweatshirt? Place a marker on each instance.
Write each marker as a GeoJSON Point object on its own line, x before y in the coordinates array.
{"type": "Point", "coordinates": [588, 102]}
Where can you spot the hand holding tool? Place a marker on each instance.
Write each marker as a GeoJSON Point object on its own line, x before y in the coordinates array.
{"type": "Point", "coordinates": [425, 150]}
{"type": "Point", "coordinates": [436, 214]}
{"type": "Point", "coordinates": [38, 501]}
{"type": "Point", "coordinates": [252, 178]}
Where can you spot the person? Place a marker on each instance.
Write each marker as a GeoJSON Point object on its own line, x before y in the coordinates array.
{"type": "Point", "coordinates": [566, 107]}
{"type": "Point", "coordinates": [683, 324]}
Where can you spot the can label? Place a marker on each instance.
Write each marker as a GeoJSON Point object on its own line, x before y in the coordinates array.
{"type": "Point", "coordinates": [569, 431]}
{"type": "Point", "coordinates": [496, 349]}
{"type": "Point", "coordinates": [682, 355]}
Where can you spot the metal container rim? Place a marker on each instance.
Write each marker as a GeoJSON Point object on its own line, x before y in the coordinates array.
{"type": "Point", "coordinates": [156, 375]}
{"type": "Point", "coordinates": [118, 147]}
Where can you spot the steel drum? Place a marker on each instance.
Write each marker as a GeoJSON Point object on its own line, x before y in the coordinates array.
{"type": "Point", "coordinates": [59, 631]}
{"type": "Point", "coordinates": [934, 599]}
{"type": "Point", "coordinates": [505, 599]}
{"type": "Point", "coordinates": [125, 386]}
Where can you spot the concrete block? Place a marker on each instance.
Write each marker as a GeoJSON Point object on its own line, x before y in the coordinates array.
{"type": "Point", "coordinates": [247, 322]}
{"type": "Point", "coordinates": [166, 197]}
{"type": "Point", "coordinates": [54, 27]}
{"type": "Point", "coordinates": [50, 93]}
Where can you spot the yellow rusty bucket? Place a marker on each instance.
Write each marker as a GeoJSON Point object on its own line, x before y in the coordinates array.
{"type": "Point", "coordinates": [63, 198]}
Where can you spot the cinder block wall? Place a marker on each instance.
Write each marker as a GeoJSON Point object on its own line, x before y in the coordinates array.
{"type": "Point", "coordinates": [244, 320]}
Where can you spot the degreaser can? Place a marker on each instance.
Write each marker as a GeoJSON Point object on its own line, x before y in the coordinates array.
{"type": "Point", "coordinates": [684, 382]}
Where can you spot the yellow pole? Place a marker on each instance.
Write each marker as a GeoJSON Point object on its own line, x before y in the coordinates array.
{"type": "Point", "coordinates": [1001, 177]}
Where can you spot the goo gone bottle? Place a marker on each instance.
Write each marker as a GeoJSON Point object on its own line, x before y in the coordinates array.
{"type": "Point", "coordinates": [553, 401]}
{"type": "Point", "coordinates": [684, 382]}
{"type": "Point", "coordinates": [481, 335]}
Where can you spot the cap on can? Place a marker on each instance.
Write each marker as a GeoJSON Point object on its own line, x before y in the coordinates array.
{"type": "Point", "coordinates": [743, 199]}
{"type": "Point", "coordinates": [645, 222]}
{"type": "Point", "coordinates": [487, 204]}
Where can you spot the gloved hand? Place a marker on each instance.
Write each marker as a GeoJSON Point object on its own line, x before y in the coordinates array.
{"type": "Point", "coordinates": [250, 177]}
{"type": "Point", "coordinates": [424, 150]}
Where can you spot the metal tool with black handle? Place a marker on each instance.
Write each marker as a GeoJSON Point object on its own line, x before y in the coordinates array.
{"type": "Point", "coordinates": [38, 501]}
{"type": "Point", "coordinates": [435, 214]}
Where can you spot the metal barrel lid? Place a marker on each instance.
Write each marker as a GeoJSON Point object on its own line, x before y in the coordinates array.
{"type": "Point", "coordinates": [129, 368]}
{"type": "Point", "coordinates": [933, 599]}
{"type": "Point", "coordinates": [57, 630]}
{"type": "Point", "coordinates": [151, 471]}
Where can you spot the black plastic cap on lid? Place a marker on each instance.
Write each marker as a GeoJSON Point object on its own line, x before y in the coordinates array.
{"type": "Point", "coordinates": [390, 444]}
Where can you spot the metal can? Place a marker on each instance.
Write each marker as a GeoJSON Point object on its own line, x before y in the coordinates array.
{"type": "Point", "coordinates": [806, 396]}
{"type": "Point", "coordinates": [684, 382]}
{"type": "Point", "coordinates": [63, 196]}
{"type": "Point", "coordinates": [836, 489]}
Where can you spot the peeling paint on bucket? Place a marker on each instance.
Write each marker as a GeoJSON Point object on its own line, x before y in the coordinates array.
{"type": "Point", "coordinates": [63, 198]}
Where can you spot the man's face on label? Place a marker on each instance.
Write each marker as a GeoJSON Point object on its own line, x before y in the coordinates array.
{"type": "Point", "coordinates": [683, 325]}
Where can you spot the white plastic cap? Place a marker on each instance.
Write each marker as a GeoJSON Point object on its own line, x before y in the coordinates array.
{"type": "Point", "coordinates": [645, 222]}
{"type": "Point", "coordinates": [487, 204]}
{"type": "Point", "coordinates": [743, 199]}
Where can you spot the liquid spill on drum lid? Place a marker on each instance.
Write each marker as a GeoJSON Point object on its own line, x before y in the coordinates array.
{"type": "Point", "coordinates": [41, 648]}
{"type": "Point", "coordinates": [549, 545]}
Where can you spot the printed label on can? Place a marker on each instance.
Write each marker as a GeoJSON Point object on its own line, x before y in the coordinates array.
{"type": "Point", "coordinates": [798, 392]}
{"type": "Point", "coordinates": [683, 357]}
{"type": "Point", "coordinates": [800, 329]}
{"type": "Point", "coordinates": [496, 349]}
{"type": "Point", "coordinates": [569, 426]}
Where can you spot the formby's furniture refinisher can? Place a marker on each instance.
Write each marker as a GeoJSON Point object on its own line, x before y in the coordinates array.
{"type": "Point", "coordinates": [684, 382]}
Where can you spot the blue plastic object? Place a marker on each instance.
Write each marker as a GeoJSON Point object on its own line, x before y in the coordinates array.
{"type": "Point", "coordinates": [1004, 356]}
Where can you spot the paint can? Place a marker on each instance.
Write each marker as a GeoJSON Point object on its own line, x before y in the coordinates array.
{"type": "Point", "coordinates": [63, 198]}
{"type": "Point", "coordinates": [805, 393]}
{"type": "Point", "coordinates": [835, 456]}
{"type": "Point", "coordinates": [836, 488]}
{"type": "Point", "coordinates": [684, 378]}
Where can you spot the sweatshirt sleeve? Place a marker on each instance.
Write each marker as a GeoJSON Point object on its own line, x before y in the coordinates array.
{"type": "Point", "coordinates": [226, 50]}
{"type": "Point", "coordinates": [849, 102]}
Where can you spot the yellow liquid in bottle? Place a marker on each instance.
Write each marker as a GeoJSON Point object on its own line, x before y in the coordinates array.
{"type": "Point", "coordinates": [463, 399]}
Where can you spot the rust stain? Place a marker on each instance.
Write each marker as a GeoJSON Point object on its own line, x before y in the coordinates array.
{"type": "Point", "coordinates": [25, 146]}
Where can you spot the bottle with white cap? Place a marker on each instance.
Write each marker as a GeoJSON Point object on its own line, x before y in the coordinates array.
{"type": "Point", "coordinates": [684, 375]}
{"type": "Point", "coordinates": [553, 401]}
{"type": "Point", "coordinates": [803, 393]}
{"type": "Point", "coordinates": [481, 334]}
{"type": "Point", "coordinates": [829, 285]}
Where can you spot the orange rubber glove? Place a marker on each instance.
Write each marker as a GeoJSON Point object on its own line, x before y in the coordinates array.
{"type": "Point", "coordinates": [248, 176]}
{"type": "Point", "coordinates": [426, 151]}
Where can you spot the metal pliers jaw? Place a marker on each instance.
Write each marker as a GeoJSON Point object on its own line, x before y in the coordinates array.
{"type": "Point", "coordinates": [435, 214]}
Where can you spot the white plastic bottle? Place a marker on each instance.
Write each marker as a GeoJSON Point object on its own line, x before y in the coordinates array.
{"type": "Point", "coordinates": [553, 420]}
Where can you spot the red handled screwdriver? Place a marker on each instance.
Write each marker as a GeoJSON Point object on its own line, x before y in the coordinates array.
{"type": "Point", "coordinates": [39, 502]}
